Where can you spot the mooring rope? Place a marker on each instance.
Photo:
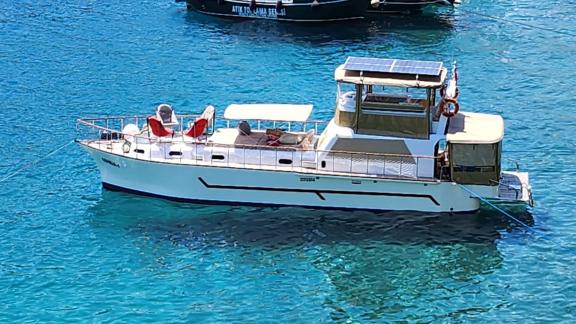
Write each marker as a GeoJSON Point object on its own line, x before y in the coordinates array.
{"type": "Point", "coordinates": [496, 207]}
{"type": "Point", "coordinates": [509, 21]}
{"type": "Point", "coordinates": [31, 164]}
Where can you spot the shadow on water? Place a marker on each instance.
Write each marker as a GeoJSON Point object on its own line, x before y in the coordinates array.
{"type": "Point", "coordinates": [379, 264]}
{"type": "Point", "coordinates": [283, 227]}
{"type": "Point", "coordinates": [435, 27]}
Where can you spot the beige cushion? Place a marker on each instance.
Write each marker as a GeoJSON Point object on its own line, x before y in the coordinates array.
{"type": "Point", "coordinates": [291, 139]}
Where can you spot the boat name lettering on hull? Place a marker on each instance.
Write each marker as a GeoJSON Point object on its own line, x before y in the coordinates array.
{"type": "Point", "coordinates": [243, 11]}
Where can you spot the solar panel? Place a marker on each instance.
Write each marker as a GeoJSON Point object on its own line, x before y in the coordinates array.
{"type": "Point", "coordinates": [370, 64]}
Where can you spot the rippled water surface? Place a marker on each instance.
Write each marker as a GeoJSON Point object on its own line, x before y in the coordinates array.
{"type": "Point", "coordinates": [72, 252]}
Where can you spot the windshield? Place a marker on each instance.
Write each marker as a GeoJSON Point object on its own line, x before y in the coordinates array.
{"type": "Point", "coordinates": [346, 96]}
{"type": "Point", "coordinates": [408, 93]}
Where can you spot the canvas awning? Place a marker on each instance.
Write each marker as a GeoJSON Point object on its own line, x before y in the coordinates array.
{"type": "Point", "coordinates": [475, 128]}
{"type": "Point", "coordinates": [278, 112]}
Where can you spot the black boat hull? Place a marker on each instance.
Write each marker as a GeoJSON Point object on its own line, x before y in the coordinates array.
{"type": "Point", "coordinates": [401, 6]}
{"type": "Point", "coordinates": [287, 10]}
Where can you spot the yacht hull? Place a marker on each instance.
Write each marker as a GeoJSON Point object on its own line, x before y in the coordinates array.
{"type": "Point", "coordinates": [293, 10]}
{"type": "Point", "coordinates": [228, 185]}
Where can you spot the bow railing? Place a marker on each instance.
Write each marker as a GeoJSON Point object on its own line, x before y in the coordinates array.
{"type": "Point", "coordinates": [105, 134]}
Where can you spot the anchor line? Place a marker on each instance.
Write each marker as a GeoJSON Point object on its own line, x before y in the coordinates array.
{"type": "Point", "coordinates": [31, 164]}
{"type": "Point", "coordinates": [496, 207]}
{"type": "Point", "coordinates": [560, 32]}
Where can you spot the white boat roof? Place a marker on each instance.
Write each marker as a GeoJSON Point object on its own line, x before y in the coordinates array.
{"type": "Point", "coordinates": [279, 112]}
{"type": "Point", "coordinates": [475, 128]}
{"type": "Point", "coordinates": [343, 75]}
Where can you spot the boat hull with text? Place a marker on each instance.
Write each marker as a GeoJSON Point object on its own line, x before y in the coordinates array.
{"type": "Point", "coordinates": [287, 10]}
{"type": "Point", "coordinates": [198, 183]}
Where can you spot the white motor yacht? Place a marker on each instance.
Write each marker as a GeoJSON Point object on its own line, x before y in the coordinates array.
{"type": "Point", "coordinates": [397, 141]}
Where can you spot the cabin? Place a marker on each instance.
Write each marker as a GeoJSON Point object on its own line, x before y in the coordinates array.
{"type": "Point", "coordinates": [394, 108]}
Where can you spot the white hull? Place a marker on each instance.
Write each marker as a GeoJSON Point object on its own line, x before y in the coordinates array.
{"type": "Point", "coordinates": [230, 185]}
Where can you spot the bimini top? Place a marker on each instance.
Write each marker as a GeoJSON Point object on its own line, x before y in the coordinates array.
{"type": "Point", "coordinates": [475, 128]}
{"type": "Point", "coordinates": [279, 112]}
{"type": "Point", "coordinates": [391, 72]}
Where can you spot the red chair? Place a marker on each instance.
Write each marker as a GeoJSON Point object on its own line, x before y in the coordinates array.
{"type": "Point", "coordinates": [197, 128]}
{"type": "Point", "coordinates": [157, 128]}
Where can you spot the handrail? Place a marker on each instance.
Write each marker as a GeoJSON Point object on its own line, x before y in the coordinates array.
{"type": "Point", "coordinates": [295, 148]}
{"type": "Point", "coordinates": [178, 116]}
{"type": "Point", "coordinates": [267, 147]}
{"type": "Point", "coordinates": [260, 123]}
{"type": "Point", "coordinates": [308, 160]}
{"type": "Point", "coordinates": [131, 116]}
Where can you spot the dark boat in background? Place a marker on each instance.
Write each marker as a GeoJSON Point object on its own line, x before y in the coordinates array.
{"type": "Point", "coordinates": [287, 10]}
{"type": "Point", "coordinates": [310, 10]}
{"type": "Point", "coordinates": [379, 7]}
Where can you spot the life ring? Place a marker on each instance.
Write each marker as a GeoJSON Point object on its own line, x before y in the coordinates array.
{"type": "Point", "coordinates": [443, 92]}
{"type": "Point", "coordinates": [445, 103]}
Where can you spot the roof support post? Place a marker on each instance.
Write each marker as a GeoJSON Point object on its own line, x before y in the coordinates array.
{"type": "Point", "coordinates": [358, 106]}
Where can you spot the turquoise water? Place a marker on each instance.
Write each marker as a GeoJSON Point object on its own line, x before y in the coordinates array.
{"type": "Point", "coordinates": [71, 252]}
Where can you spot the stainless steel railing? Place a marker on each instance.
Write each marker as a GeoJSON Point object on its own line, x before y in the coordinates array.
{"type": "Point", "coordinates": [106, 132]}
{"type": "Point", "coordinates": [117, 123]}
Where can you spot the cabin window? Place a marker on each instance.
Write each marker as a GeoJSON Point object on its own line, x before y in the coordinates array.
{"type": "Point", "coordinates": [139, 151]}
{"type": "Point", "coordinates": [394, 111]}
{"type": "Point", "coordinates": [395, 98]}
{"type": "Point", "coordinates": [285, 161]}
{"type": "Point", "coordinates": [175, 153]}
{"type": "Point", "coordinates": [217, 157]}
{"type": "Point", "coordinates": [346, 97]}
{"type": "Point", "coordinates": [475, 163]}
{"type": "Point", "coordinates": [345, 115]}
{"type": "Point", "coordinates": [371, 122]}
{"type": "Point", "coordinates": [396, 91]}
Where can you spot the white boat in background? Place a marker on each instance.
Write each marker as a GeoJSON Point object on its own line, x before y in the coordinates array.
{"type": "Point", "coordinates": [397, 141]}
